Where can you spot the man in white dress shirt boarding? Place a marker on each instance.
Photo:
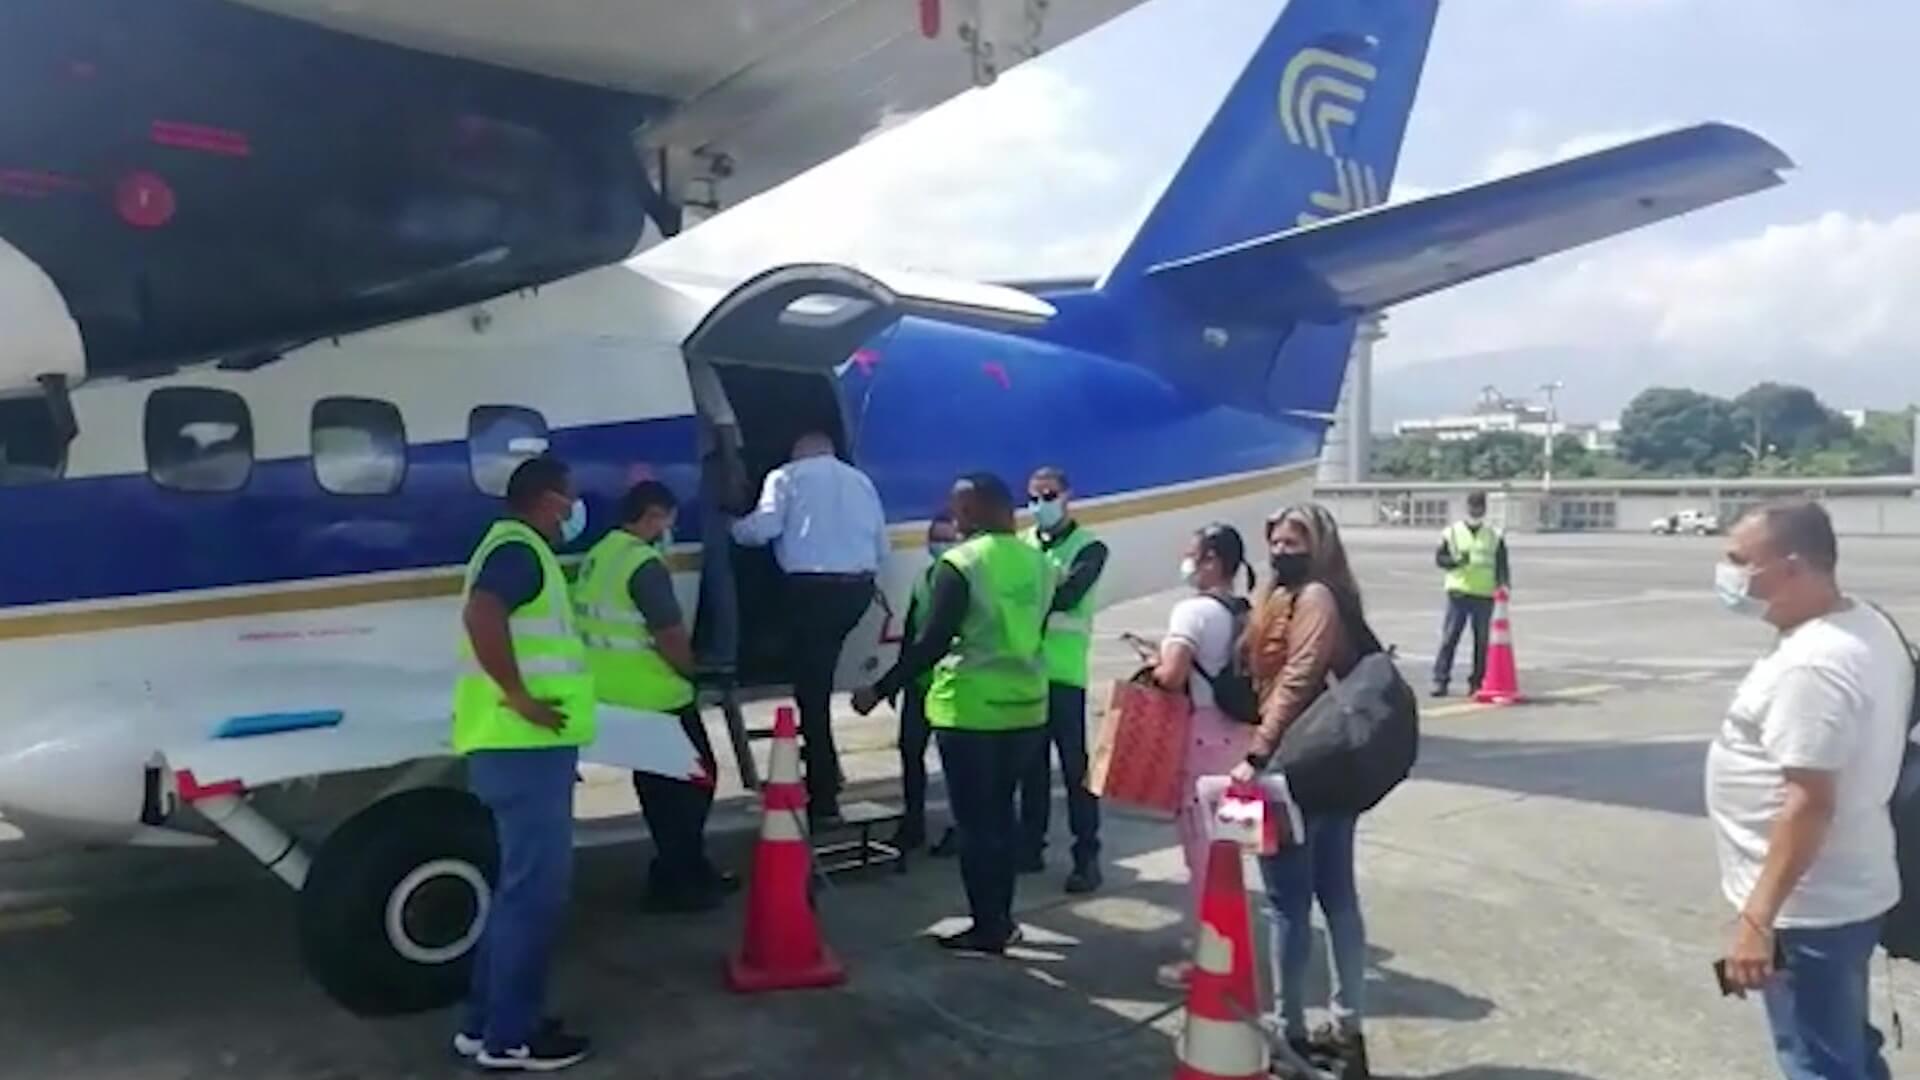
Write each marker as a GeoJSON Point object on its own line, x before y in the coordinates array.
{"type": "Point", "coordinates": [829, 535]}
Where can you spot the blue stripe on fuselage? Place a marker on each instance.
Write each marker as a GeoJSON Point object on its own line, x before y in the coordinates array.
{"type": "Point", "coordinates": [939, 401]}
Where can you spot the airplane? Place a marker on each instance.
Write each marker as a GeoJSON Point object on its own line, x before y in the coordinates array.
{"type": "Point", "coordinates": [230, 608]}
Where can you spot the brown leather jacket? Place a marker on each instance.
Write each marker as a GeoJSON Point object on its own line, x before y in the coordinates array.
{"type": "Point", "coordinates": [1294, 641]}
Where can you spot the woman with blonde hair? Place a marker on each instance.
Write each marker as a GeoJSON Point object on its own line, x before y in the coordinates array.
{"type": "Point", "coordinates": [1307, 626]}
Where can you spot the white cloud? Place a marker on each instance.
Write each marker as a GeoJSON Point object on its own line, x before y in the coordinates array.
{"type": "Point", "coordinates": [1832, 292]}
{"type": "Point", "coordinates": [997, 183]}
{"type": "Point", "coordinates": [1520, 158]}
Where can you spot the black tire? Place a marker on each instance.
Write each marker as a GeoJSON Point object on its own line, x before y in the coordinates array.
{"type": "Point", "coordinates": [420, 864]}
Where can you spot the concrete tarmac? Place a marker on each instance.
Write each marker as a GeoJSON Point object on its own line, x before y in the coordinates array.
{"type": "Point", "coordinates": [1541, 899]}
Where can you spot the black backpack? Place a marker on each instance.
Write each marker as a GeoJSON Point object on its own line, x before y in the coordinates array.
{"type": "Point", "coordinates": [1359, 738]}
{"type": "Point", "coordinates": [1900, 932]}
{"type": "Point", "coordinates": [1233, 691]}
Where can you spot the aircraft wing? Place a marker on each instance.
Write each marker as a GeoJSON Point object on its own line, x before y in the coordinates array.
{"type": "Point", "coordinates": [773, 87]}
{"type": "Point", "coordinates": [1331, 270]}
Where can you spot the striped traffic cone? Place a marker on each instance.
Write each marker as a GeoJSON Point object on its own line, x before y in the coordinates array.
{"type": "Point", "coordinates": [1222, 1039]}
{"type": "Point", "coordinates": [1502, 684]}
{"type": "Point", "coordinates": [781, 947]}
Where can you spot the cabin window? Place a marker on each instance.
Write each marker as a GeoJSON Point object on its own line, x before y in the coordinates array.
{"type": "Point", "coordinates": [499, 438]}
{"type": "Point", "coordinates": [198, 439]}
{"type": "Point", "coordinates": [359, 446]}
{"type": "Point", "coordinates": [32, 450]}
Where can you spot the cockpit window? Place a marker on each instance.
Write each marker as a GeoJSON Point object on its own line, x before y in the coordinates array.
{"type": "Point", "coordinates": [32, 450]}
{"type": "Point", "coordinates": [499, 438]}
{"type": "Point", "coordinates": [359, 446]}
{"type": "Point", "coordinates": [198, 439]}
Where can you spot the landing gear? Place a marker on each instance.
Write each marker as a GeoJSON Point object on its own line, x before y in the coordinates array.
{"type": "Point", "coordinates": [396, 900]}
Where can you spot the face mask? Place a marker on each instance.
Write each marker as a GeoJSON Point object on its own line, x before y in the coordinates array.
{"type": "Point", "coordinates": [937, 548]}
{"type": "Point", "coordinates": [576, 522]}
{"type": "Point", "coordinates": [1289, 568]}
{"type": "Point", "coordinates": [1189, 569]}
{"type": "Point", "coordinates": [1733, 585]}
{"type": "Point", "coordinates": [1048, 514]}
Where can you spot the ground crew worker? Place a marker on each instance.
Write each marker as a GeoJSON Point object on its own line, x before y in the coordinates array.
{"type": "Point", "coordinates": [1078, 558]}
{"type": "Point", "coordinates": [1474, 555]}
{"type": "Point", "coordinates": [523, 706]}
{"type": "Point", "coordinates": [914, 732]}
{"type": "Point", "coordinates": [641, 658]}
{"type": "Point", "coordinates": [988, 700]}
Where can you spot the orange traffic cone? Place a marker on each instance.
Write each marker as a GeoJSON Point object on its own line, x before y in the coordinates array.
{"type": "Point", "coordinates": [781, 948]}
{"type": "Point", "coordinates": [1502, 684]}
{"type": "Point", "coordinates": [1222, 1039]}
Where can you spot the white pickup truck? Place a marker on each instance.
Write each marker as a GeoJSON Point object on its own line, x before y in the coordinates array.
{"type": "Point", "coordinates": [1687, 522]}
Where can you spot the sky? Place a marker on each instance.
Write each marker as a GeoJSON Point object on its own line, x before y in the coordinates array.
{"type": "Point", "coordinates": [1048, 172]}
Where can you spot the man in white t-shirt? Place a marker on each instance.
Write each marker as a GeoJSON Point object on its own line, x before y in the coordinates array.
{"type": "Point", "coordinates": [1798, 783]}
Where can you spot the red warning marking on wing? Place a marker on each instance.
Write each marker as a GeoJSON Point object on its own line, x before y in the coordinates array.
{"type": "Point", "coordinates": [997, 371]}
{"type": "Point", "coordinates": [37, 183]}
{"type": "Point", "coordinates": [224, 142]}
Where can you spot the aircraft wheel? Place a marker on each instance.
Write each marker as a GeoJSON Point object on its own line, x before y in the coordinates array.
{"type": "Point", "coordinates": [396, 900]}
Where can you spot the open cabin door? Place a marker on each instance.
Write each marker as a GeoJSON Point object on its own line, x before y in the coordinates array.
{"type": "Point", "coordinates": [776, 345]}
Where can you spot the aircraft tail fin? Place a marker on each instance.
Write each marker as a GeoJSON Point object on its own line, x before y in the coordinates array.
{"type": "Point", "coordinates": [1310, 130]}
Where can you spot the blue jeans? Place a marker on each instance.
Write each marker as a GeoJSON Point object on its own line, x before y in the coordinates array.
{"type": "Point", "coordinates": [1319, 869]}
{"type": "Point", "coordinates": [531, 795]}
{"type": "Point", "coordinates": [1817, 1005]}
{"type": "Point", "coordinates": [1463, 611]}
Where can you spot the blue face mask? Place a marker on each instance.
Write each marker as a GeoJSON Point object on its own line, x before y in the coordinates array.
{"type": "Point", "coordinates": [937, 548]}
{"type": "Point", "coordinates": [1048, 514]}
{"type": "Point", "coordinates": [575, 524]}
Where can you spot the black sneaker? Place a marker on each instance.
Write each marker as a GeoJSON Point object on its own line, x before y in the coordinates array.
{"type": "Point", "coordinates": [545, 1052]}
{"type": "Point", "coordinates": [1439, 689]}
{"type": "Point", "coordinates": [822, 816]}
{"type": "Point", "coordinates": [1343, 1052]}
{"type": "Point", "coordinates": [908, 838]}
{"type": "Point", "coordinates": [469, 1044]}
{"type": "Point", "coordinates": [1084, 879]}
{"type": "Point", "coordinates": [980, 942]}
{"type": "Point", "coordinates": [949, 845]}
{"type": "Point", "coordinates": [1031, 863]}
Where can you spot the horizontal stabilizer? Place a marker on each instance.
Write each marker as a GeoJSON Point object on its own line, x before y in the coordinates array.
{"type": "Point", "coordinates": [1332, 270]}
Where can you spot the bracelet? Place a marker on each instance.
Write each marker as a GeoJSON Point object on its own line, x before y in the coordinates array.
{"type": "Point", "coordinates": [1765, 931]}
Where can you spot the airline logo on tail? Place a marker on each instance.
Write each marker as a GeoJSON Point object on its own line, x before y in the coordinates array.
{"type": "Point", "coordinates": [1320, 92]}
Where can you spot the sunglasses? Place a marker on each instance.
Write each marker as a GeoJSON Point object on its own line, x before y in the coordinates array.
{"type": "Point", "coordinates": [1045, 496]}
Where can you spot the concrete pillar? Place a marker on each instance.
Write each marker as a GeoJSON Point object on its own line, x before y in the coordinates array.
{"type": "Point", "coordinates": [1360, 404]}
{"type": "Point", "coordinates": [1336, 445]}
{"type": "Point", "coordinates": [1347, 453]}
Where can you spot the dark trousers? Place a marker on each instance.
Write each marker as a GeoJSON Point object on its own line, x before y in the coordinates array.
{"type": "Point", "coordinates": [1460, 611]}
{"type": "Point", "coordinates": [823, 610]}
{"type": "Point", "coordinates": [983, 768]}
{"type": "Point", "coordinates": [914, 735]}
{"type": "Point", "coordinates": [1067, 731]}
{"type": "Point", "coordinates": [676, 813]}
{"type": "Point", "coordinates": [531, 795]}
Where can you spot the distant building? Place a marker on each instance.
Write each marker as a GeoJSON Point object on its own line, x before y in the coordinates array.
{"type": "Point", "coordinates": [1497, 412]}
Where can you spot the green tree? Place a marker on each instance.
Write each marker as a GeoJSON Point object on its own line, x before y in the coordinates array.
{"type": "Point", "coordinates": [1789, 417]}
{"type": "Point", "coordinates": [1670, 430]}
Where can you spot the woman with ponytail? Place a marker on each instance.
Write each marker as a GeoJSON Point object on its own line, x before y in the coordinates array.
{"type": "Point", "coordinates": [1307, 626]}
{"type": "Point", "coordinates": [1202, 635]}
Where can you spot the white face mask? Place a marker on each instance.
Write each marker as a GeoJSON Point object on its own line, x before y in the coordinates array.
{"type": "Point", "coordinates": [1733, 585]}
{"type": "Point", "coordinates": [1189, 569]}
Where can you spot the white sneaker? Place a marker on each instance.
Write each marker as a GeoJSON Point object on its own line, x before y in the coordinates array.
{"type": "Point", "coordinates": [468, 1046]}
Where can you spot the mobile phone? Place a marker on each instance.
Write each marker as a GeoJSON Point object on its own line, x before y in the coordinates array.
{"type": "Point", "coordinates": [1727, 989]}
